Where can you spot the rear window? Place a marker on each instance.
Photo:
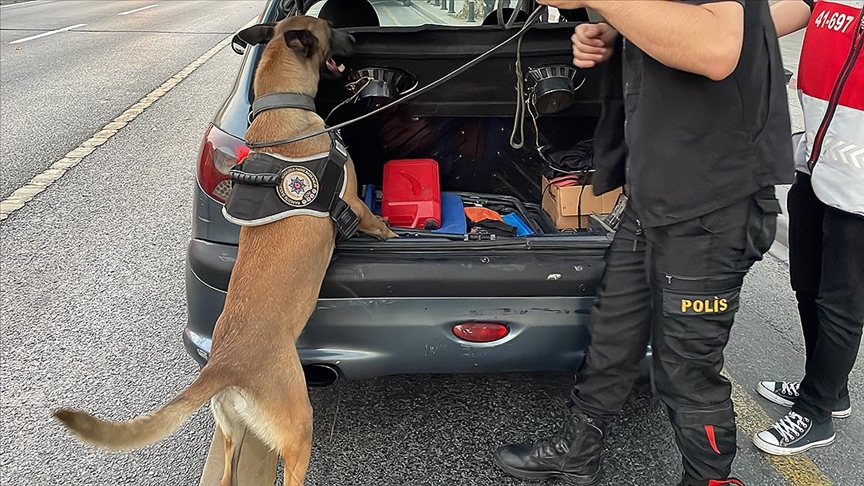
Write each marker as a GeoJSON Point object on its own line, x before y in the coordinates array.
{"type": "Point", "coordinates": [415, 13]}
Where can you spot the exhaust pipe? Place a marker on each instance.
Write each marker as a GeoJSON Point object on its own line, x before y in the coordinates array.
{"type": "Point", "coordinates": [320, 375]}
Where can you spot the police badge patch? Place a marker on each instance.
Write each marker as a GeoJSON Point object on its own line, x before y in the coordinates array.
{"type": "Point", "coordinates": [298, 186]}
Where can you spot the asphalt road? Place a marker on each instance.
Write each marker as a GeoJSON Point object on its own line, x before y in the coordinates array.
{"type": "Point", "coordinates": [57, 90]}
{"type": "Point", "coordinates": [92, 297]}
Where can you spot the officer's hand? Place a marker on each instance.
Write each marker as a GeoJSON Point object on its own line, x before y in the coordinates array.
{"type": "Point", "coordinates": [593, 44]}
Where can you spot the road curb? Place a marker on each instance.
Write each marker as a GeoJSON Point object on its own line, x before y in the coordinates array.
{"type": "Point", "coordinates": [780, 248]}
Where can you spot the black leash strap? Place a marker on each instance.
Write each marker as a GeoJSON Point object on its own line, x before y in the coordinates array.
{"type": "Point", "coordinates": [237, 174]}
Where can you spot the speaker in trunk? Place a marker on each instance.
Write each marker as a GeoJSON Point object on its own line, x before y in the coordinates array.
{"type": "Point", "coordinates": [375, 87]}
{"type": "Point", "coordinates": [553, 89]}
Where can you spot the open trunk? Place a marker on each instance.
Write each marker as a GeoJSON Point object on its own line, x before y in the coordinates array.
{"type": "Point", "coordinates": [466, 124]}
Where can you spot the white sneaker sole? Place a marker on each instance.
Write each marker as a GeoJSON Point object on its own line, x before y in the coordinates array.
{"type": "Point", "coordinates": [772, 397]}
{"type": "Point", "coordinates": [790, 451]}
{"type": "Point", "coordinates": [842, 413]}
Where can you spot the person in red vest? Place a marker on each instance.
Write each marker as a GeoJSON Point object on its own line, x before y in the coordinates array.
{"type": "Point", "coordinates": [697, 132]}
{"type": "Point", "coordinates": [826, 225]}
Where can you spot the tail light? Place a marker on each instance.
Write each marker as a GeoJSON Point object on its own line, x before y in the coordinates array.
{"type": "Point", "coordinates": [219, 153]}
{"type": "Point", "coordinates": [480, 332]}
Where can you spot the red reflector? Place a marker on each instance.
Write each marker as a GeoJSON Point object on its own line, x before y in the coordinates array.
{"type": "Point", "coordinates": [242, 153]}
{"type": "Point", "coordinates": [480, 332]}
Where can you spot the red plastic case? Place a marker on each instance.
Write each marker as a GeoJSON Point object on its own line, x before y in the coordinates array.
{"type": "Point", "coordinates": [412, 194]}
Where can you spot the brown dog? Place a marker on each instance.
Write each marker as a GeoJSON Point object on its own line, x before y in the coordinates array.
{"type": "Point", "coordinates": [254, 379]}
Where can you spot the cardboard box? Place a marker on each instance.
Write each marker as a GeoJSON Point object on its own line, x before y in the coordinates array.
{"type": "Point", "coordinates": [565, 204]}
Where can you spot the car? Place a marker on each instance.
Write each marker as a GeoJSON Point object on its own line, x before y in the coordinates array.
{"type": "Point", "coordinates": [429, 301]}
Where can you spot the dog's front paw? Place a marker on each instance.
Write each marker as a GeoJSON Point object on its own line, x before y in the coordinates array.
{"type": "Point", "coordinates": [378, 228]}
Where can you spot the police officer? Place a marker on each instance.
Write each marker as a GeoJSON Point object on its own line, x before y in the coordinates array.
{"type": "Point", "coordinates": [706, 123]}
{"type": "Point", "coordinates": [826, 224]}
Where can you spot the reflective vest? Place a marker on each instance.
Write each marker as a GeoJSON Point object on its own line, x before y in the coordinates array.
{"type": "Point", "coordinates": [830, 85]}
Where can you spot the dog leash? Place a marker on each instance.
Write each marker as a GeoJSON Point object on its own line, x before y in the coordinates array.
{"type": "Point", "coordinates": [532, 19]}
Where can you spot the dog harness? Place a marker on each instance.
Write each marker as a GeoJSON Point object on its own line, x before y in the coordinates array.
{"type": "Point", "coordinates": [267, 187]}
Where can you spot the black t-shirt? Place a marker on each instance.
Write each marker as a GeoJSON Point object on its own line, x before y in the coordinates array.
{"type": "Point", "coordinates": [695, 145]}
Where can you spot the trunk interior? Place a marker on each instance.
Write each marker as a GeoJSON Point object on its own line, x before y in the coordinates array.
{"type": "Point", "coordinates": [466, 124]}
{"type": "Point", "coordinates": [474, 156]}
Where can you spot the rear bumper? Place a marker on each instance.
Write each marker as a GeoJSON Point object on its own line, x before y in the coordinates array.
{"type": "Point", "coordinates": [366, 337]}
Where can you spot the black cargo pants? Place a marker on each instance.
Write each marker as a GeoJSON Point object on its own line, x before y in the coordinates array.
{"type": "Point", "coordinates": [826, 266]}
{"type": "Point", "coordinates": [678, 286]}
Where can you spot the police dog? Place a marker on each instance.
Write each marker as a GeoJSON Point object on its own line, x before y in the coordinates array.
{"type": "Point", "coordinates": [254, 379]}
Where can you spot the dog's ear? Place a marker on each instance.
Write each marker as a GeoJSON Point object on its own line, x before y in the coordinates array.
{"type": "Point", "coordinates": [257, 34]}
{"type": "Point", "coordinates": [303, 42]}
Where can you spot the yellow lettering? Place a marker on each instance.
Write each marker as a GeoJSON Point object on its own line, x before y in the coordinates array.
{"type": "Point", "coordinates": [698, 306]}
{"type": "Point", "coordinates": [723, 305]}
{"type": "Point", "coordinates": [686, 304]}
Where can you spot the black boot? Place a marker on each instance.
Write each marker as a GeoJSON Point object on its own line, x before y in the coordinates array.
{"type": "Point", "coordinates": [573, 453]}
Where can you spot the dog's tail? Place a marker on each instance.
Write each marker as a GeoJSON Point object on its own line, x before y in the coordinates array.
{"type": "Point", "coordinates": [145, 429]}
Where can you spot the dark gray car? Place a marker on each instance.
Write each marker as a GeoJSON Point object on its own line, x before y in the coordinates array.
{"type": "Point", "coordinates": [428, 302]}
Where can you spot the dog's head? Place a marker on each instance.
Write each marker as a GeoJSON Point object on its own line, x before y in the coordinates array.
{"type": "Point", "coordinates": [308, 43]}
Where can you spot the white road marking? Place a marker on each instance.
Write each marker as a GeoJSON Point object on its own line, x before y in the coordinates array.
{"type": "Point", "coordinates": [23, 4]}
{"type": "Point", "coordinates": [138, 9]}
{"type": "Point", "coordinates": [27, 192]}
{"type": "Point", "coordinates": [44, 34]}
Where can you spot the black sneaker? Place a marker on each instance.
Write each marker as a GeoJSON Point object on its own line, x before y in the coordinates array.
{"type": "Point", "coordinates": [786, 392]}
{"type": "Point", "coordinates": [794, 434]}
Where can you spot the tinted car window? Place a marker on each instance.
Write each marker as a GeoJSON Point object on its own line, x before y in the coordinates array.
{"type": "Point", "coordinates": [402, 13]}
